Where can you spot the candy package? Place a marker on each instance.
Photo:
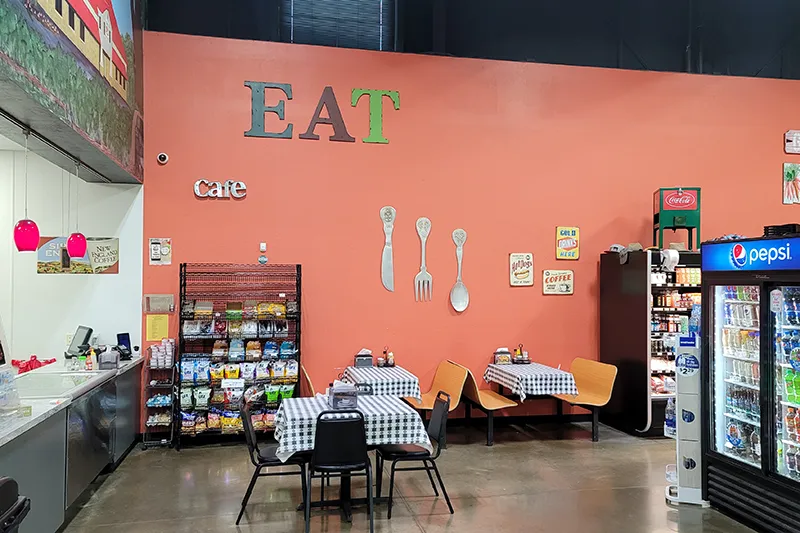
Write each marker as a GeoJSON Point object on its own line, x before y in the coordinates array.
{"type": "Point", "coordinates": [213, 421]}
{"type": "Point", "coordinates": [292, 369]}
{"type": "Point", "coordinates": [233, 311]}
{"type": "Point", "coordinates": [186, 398]}
{"type": "Point", "coordinates": [262, 370]}
{"type": "Point", "coordinates": [253, 352]}
{"type": "Point", "coordinates": [205, 327]}
{"type": "Point", "coordinates": [273, 393]}
{"type": "Point", "coordinates": [218, 396]}
{"type": "Point", "coordinates": [220, 349]}
{"type": "Point", "coordinates": [220, 327]}
{"type": "Point", "coordinates": [202, 395]}
{"type": "Point", "coordinates": [247, 371]}
{"type": "Point", "coordinates": [287, 391]}
{"type": "Point", "coordinates": [270, 350]}
{"type": "Point", "coordinates": [250, 328]}
{"type": "Point", "coordinates": [262, 309]}
{"type": "Point", "coordinates": [276, 310]}
{"type": "Point", "coordinates": [203, 309]}
{"type": "Point", "coordinates": [216, 371]}
{"type": "Point", "coordinates": [236, 352]}
{"type": "Point", "coordinates": [231, 371]}
{"type": "Point", "coordinates": [234, 327]}
{"type": "Point", "coordinates": [250, 309]}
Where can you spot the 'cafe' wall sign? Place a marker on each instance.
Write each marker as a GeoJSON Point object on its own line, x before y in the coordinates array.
{"type": "Point", "coordinates": [215, 189]}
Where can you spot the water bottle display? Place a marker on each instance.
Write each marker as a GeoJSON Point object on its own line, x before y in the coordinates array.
{"type": "Point", "coordinates": [737, 372]}
{"type": "Point", "coordinates": [787, 380]}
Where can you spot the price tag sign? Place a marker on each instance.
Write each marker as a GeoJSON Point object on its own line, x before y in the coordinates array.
{"type": "Point", "coordinates": [232, 383]}
{"type": "Point", "coordinates": [776, 301]}
{"type": "Point", "coordinates": [687, 365]}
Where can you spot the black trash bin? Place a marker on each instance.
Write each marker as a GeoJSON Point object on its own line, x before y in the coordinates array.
{"type": "Point", "coordinates": [13, 507]}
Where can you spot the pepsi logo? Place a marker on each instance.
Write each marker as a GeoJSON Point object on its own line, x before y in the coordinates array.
{"type": "Point", "coordinates": [738, 255]}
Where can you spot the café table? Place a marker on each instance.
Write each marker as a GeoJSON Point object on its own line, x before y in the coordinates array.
{"type": "Point", "coordinates": [533, 379]}
{"type": "Point", "coordinates": [387, 420]}
{"type": "Point", "coordinates": [385, 381]}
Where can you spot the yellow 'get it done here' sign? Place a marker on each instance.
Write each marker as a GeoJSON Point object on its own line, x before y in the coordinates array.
{"type": "Point", "coordinates": [568, 242]}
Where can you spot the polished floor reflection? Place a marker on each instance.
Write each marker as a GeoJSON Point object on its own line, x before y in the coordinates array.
{"type": "Point", "coordinates": [535, 479]}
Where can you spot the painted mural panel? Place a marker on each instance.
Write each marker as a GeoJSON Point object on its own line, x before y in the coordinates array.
{"type": "Point", "coordinates": [77, 59]}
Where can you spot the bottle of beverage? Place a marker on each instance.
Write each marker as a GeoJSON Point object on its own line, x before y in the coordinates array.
{"type": "Point", "coordinates": [728, 318]}
{"type": "Point", "coordinates": [755, 408]}
{"type": "Point", "coordinates": [791, 459]}
{"type": "Point", "coordinates": [669, 419]}
{"type": "Point", "coordinates": [747, 316]}
{"type": "Point", "coordinates": [796, 380]}
{"type": "Point", "coordinates": [789, 422]}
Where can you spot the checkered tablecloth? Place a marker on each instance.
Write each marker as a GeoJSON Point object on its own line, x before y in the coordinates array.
{"type": "Point", "coordinates": [388, 420]}
{"type": "Point", "coordinates": [385, 381]}
{"type": "Point", "coordinates": [533, 379]}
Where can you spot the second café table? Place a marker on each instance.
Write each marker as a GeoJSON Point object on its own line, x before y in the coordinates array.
{"type": "Point", "coordinates": [533, 379]}
{"type": "Point", "coordinates": [387, 420]}
{"type": "Point", "coordinates": [385, 381]}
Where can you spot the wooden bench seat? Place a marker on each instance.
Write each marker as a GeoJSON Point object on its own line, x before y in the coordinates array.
{"type": "Point", "coordinates": [486, 400]}
{"type": "Point", "coordinates": [595, 383]}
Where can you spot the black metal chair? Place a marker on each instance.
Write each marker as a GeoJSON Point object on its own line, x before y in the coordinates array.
{"type": "Point", "coordinates": [396, 453]}
{"type": "Point", "coordinates": [13, 507]}
{"type": "Point", "coordinates": [263, 456]}
{"type": "Point", "coordinates": [340, 447]}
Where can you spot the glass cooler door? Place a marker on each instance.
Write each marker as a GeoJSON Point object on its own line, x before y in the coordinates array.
{"type": "Point", "coordinates": [735, 373]}
{"type": "Point", "coordinates": [785, 310]}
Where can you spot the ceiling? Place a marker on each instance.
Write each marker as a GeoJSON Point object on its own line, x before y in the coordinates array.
{"type": "Point", "coordinates": [8, 144]}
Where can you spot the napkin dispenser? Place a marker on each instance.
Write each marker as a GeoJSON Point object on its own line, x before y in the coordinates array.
{"type": "Point", "coordinates": [502, 356]}
{"type": "Point", "coordinates": [362, 361]}
{"type": "Point", "coordinates": [342, 396]}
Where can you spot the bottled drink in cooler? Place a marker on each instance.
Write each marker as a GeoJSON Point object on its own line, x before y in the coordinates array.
{"type": "Point", "coordinates": [788, 383]}
{"type": "Point", "coordinates": [789, 422]}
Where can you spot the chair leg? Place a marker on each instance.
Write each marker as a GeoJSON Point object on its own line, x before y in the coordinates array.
{"type": "Point", "coordinates": [308, 501]}
{"type": "Point", "coordinates": [391, 489]}
{"type": "Point", "coordinates": [378, 474]}
{"type": "Point", "coordinates": [370, 509]}
{"type": "Point", "coordinates": [441, 484]}
{"type": "Point", "coordinates": [430, 476]}
{"type": "Point", "coordinates": [322, 487]}
{"type": "Point", "coordinates": [248, 493]}
{"type": "Point", "coordinates": [490, 428]}
{"type": "Point", "coordinates": [595, 424]}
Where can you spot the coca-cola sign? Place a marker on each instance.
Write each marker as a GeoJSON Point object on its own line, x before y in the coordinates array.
{"type": "Point", "coordinates": [681, 200]}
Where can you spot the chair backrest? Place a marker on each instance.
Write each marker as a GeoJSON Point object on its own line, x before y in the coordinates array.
{"type": "Point", "coordinates": [450, 378]}
{"type": "Point", "coordinates": [306, 382]}
{"type": "Point", "coordinates": [340, 441]}
{"type": "Point", "coordinates": [364, 389]}
{"type": "Point", "coordinates": [245, 411]}
{"type": "Point", "coordinates": [13, 507]}
{"type": "Point", "coordinates": [437, 426]}
{"type": "Point", "coordinates": [595, 378]}
{"type": "Point", "coordinates": [471, 388]}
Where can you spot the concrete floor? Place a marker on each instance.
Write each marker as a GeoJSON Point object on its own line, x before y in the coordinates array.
{"type": "Point", "coordinates": [535, 479]}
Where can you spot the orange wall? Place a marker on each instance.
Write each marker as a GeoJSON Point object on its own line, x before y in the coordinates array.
{"type": "Point", "coordinates": [504, 150]}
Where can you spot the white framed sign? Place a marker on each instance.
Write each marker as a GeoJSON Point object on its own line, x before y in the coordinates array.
{"type": "Point", "coordinates": [520, 269]}
{"type": "Point", "coordinates": [791, 142]}
{"type": "Point", "coordinates": [558, 282]}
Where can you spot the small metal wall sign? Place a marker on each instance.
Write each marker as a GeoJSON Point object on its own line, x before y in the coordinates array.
{"type": "Point", "coordinates": [558, 282]}
{"type": "Point", "coordinates": [520, 269]}
{"type": "Point", "coordinates": [791, 144]}
{"type": "Point", "coordinates": [214, 189]}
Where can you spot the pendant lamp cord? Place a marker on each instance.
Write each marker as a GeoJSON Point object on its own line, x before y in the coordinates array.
{"type": "Point", "coordinates": [77, 197]}
{"type": "Point", "coordinates": [25, 173]}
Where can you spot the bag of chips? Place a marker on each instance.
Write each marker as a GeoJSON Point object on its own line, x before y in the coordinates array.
{"type": "Point", "coordinates": [281, 328]}
{"type": "Point", "coordinates": [277, 310]}
{"type": "Point", "coordinates": [187, 371]}
{"type": "Point", "coordinates": [191, 327]}
{"type": "Point", "coordinates": [214, 419]}
{"type": "Point", "coordinates": [270, 350]}
{"type": "Point", "coordinates": [262, 309]}
{"type": "Point", "coordinates": [187, 423]}
{"type": "Point", "coordinates": [234, 327]}
{"type": "Point", "coordinates": [262, 371]}
{"type": "Point", "coordinates": [186, 398]}
{"type": "Point", "coordinates": [253, 352]}
{"type": "Point", "coordinates": [202, 395]}
{"type": "Point", "coordinates": [287, 349]}
{"type": "Point", "coordinates": [249, 309]}
{"type": "Point", "coordinates": [247, 371]}
{"type": "Point", "coordinates": [292, 369]}
{"type": "Point", "coordinates": [273, 393]}
{"type": "Point", "coordinates": [218, 396]}
{"type": "Point", "coordinates": [230, 421]}
{"type": "Point", "coordinates": [257, 419]}
{"type": "Point", "coordinates": [200, 424]}
{"type": "Point", "coordinates": [216, 371]}
{"type": "Point", "coordinates": [221, 327]}
{"type": "Point", "coordinates": [269, 419]}
{"type": "Point", "coordinates": [250, 328]}
{"type": "Point", "coordinates": [287, 391]}
{"type": "Point", "coordinates": [233, 397]}
{"type": "Point", "coordinates": [265, 329]}
{"type": "Point", "coordinates": [233, 311]}
{"type": "Point", "coordinates": [278, 369]}
{"type": "Point", "coordinates": [236, 352]}
{"type": "Point", "coordinates": [201, 370]}
{"type": "Point", "coordinates": [220, 349]}
{"type": "Point", "coordinates": [205, 327]}
{"type": "Point", "coordinates": [232, 371]}
{"type": "Point", "coordinates": [254, 394]}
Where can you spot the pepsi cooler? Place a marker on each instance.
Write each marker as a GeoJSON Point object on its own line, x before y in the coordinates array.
{"type": "Point", "coordinates": [750, 372]}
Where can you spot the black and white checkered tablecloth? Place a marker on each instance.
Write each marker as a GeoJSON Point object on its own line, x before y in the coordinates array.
{"type": "Point", "coordinates": [533, 379]}
{"type": "Point", "coordinates": [388, 420]}
{"type": "Point", "coordinates": [385, 381]}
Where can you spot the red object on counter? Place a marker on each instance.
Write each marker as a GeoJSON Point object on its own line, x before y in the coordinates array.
{"type": "Point", "coordinates": [31, 364]}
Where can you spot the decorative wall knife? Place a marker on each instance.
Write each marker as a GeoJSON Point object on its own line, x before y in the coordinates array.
{"type": "Point", "coordinates": [388, 215]}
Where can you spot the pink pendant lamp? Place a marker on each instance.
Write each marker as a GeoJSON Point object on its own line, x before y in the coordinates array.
{"type": "Point", "coordinates": [76, 244]}
{"type": "Point", "coordinates": [26, 232]}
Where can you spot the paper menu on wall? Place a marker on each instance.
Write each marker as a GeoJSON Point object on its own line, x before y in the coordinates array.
{"type": "Point", "coordinates": [157, 327]}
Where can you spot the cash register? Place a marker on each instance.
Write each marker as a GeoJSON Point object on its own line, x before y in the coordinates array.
{"type": "Point", "coordinates": [80, 342]}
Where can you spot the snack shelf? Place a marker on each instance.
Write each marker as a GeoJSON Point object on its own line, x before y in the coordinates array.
{"type": "Point", "coordinates": [222, 304]}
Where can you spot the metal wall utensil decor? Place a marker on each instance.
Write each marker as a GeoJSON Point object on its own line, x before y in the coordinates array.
{"type": "Point", "coordinates": [459, 296]}
{"type": "Point", "coordinates": [520, 269]}
{"type": "Point", "coordinates": [327, 112]}
{"type": "Point", "coordinates": [388, 215]}
{"type": "Point", "coordinates": [423, 282]}
{"type": "Point", "coordinates": [568, 243]}
{"type": "Point", "coordinates": [558, 282]}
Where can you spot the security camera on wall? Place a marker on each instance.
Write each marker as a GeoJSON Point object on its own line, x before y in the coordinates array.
{"type": "Point", "coordinates": [162, 158]}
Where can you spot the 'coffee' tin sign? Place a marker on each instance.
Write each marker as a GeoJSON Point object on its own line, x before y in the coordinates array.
{"type": "Point", "coordinates": [558, 282]}
{"type": "Point", "coordinates": [568, 243]}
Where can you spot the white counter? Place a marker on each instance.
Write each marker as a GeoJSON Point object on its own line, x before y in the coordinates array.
{"type": "Point", "coordinates": [41, 410]}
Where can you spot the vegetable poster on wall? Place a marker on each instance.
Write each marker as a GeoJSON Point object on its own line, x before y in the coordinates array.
{"type": "Point", "coordinates": [791, 183]}
{"type": "Point", "coordinates": [568, 242]}
{"type": "Point", "coordinates": [102, 257]}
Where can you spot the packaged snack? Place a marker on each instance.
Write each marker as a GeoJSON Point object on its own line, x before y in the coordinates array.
{"type": "Point", "coordinates": [217, 371]}
{"type": "Point", "coordinates": [281, 328]}
{"type": "Point", "coordinates": [250, 328]}
{"type": "Point", "coordinates": [257, 419]}
{"type": "Point", "coordinates": [234, 327]}
{"type": "Point", "coordinates": [269, 418]}
{"type": "Point", "coordinates": [253, 352]}
{"type": "Point", "coordinates": [292, 307]}
{"type": "Point", "coordinates": [231, 371]}
{"type": "Point", "coordinates": [276, 310]}
{"type": "Point", "coordinates": [270, 350]}
{"type": "Point", "coordinates": [657, 385]}
{"type": "Point", "coordinates": [247, 371]}
{"type": "Point", "coordinates": [202, 395]}
{"type": "Point", "coordinates": [233, 397]}
{"type": "Point", "coordinates": [254, 394]}
{"type": "Point", "coordinates": [287, 391]}
{"type": "Point", "coordinates": [233, 311]}
{"type": "Point", "coordinates": [187, 371]}
{"type": "Point", "coordinates": [236, 352]}
{"type": "Point", "coordinates": [265, 329]}
{"type": "Point", "coordinates": [229, 421]}
{"type": "Point", "coordinates": [262, 370]}
{"type": "Point", "coordinates": [220, 327]}
{"type": "Point", "coordinates": [249, 309]}
{"type": "Point", "coordinates": [187, 423]}
{"type": "Point", "coordinates": [262, 309]}
{"type": "Point", "coordinates": [200, 424]}
{"type": "Point", "coordinates": [186, 398]}
{"type": "Point", "coordinates": [201, 370]}
{"type": "Point", "coordinates": [278, 369]}
{"type": "Point", "coordinates": [214, 420]}
{"type": "Point", "coordinates": [188, 308]}
{"type": "Point", "coordinates": [191, 327]}
{"type": "Point", "coordinates": [218, 396]}
{"type": "Point", "coordinates": [205, 327]}
{"type": "Point", "coordinates": [220, 349]}
{"type": "Point", "coordinates": [273, 393]}
{"type": "Point", "coordinates": [287, 349]}
{"type": "Point", "coordinates": [203, 309]}
{"type": "Point", "coordinates": [292, 369]}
